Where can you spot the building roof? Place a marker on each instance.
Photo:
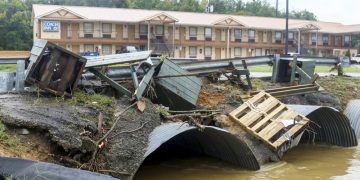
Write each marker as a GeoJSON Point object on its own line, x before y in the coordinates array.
{"type": "Point", "coordinates": [188, 18]}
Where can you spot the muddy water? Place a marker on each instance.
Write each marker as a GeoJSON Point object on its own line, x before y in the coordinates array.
{"type": "Point", "coordinates": [304, 162]}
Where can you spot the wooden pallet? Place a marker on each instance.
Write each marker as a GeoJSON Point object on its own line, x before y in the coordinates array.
{"type": "Point", "coordinates": [263, 115]}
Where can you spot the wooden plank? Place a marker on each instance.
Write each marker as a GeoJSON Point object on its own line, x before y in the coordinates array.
{"type": "Point", "coordinates": [265, 106]}
{"type": "Point", "coordinates": [67, 75]}
{"type": "Point", "coordinates": [293, 130]}
{"type": "Point", "coordinates": [268, 117]}
{"type": "Point", "coordinates": [277, 125]}
{"type": "Point", "coordinates": [49, 69]}
{"type": "Point", "coordinates": [253, 100]}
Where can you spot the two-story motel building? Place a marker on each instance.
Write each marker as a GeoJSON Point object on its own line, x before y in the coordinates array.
{"type": "Point", "coordinates": [186, 34]}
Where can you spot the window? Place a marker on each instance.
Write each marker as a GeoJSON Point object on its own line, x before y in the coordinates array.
{"type": "Point", "coordinates": [251, 35]}
{"type": "Point", "coordinates": [69, 30]}
{"type": "Point", "coordinates": [208, 32]}
{"type": "Point", "coordinates": [237, 34]}
{"type": "Point", "coordinates": [325, 39]}
{"type": "Point", "coordinates": [291, 36]}
{"type": "Point", "coordinates": [278, 35]}
{"type": "Point", "coordinates": [159, 30]}
{"type": "Point", "coordinates": [106, 28]}
{"type": "Point", "coordinates": [106, 49]}
{"type": "Point", "coordinates": [314, 38]}
{"type": "Point", "coordinates": [143, 29]}
{"type": "Point", "coordinates": [208, 52]}
{"type": "Point", "coordinates": [89, 48]}
{"type": "Point", "coordinates": [346, 40]}
{"type": "Point", "coordinates": [88, 27]}
{"type": "Point", "coordinates": [237, 52]}
{"type": "Point", "coordinates": [337, 40]}
{"type": "Point", "coordinates": [192, 31]}
{"type": "Point", "coordinates": [192, 52]}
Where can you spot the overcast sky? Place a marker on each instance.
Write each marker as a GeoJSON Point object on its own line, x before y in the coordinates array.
{"type": "Point", "coordinates": [343, 11]}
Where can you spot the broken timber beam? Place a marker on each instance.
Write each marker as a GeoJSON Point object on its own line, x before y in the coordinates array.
{"type": "Point", "coordinates": [113, 83]}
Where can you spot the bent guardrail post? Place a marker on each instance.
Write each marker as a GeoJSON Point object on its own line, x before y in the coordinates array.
{"type": "Point", "coordinates": [20, 76]}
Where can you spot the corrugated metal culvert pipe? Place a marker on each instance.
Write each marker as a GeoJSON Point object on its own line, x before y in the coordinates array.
{"type": "Point", "coordinates": [352, 111]}
{"type": "Point", "coordinates": [212, 141]}
{"type": "Point", "coordinates": [328, 124]}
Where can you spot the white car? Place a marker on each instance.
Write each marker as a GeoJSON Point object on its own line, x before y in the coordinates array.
{"type": "Point", "coordinates": [356, 59]}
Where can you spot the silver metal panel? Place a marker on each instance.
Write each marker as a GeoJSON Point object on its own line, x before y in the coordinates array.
{"type": "Point", "coordinates": [330, 125]}
{"type": "Point", "coordinates": [352, 111]}
{"type": "Point", "coordinates": [117, 59]}
{"type": "Point", "coordinates": [20, 76]}
{"type": "Point", "coordinates": [6, 81]}
{"type": "Point", "coordinates": [212, 141]}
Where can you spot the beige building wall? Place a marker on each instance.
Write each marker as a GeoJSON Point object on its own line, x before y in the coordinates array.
{"type": "Point", "coordinates": [200, 33]}
{"type": "Point", "coordinates": [125, 31]}
{"type": "Point", "coordinates": [36, 29]}
{"type": "Point", "coordinates": [177, 32]}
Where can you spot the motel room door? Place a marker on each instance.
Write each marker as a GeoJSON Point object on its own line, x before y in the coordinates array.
{"type": "Point", "coordinates": [217, 53]}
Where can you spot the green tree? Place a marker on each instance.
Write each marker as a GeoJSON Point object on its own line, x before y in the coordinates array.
{"type": "Point", "coordinates": [16, 32]}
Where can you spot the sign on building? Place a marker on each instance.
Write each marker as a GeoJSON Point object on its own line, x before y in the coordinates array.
{"type": "Point", "coordinates": [51, 26]}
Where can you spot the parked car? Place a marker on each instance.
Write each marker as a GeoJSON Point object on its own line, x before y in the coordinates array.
{"type": "Point", "coordinates": [127, 49]}
{"type": "Point", "coordinates": [356, 59]}
{"type": "Point", "coordinates": [345, 61]}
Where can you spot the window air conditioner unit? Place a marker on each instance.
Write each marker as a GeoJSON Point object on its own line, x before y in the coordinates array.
{"type": "Point", "coordinates": [106, 35]}
{"type": "Point", "coordinates": [237, 40]}
{"type": "Point", "coordinates": [88, 35]}
{"type": "Point", "coordinates": [251, 40]}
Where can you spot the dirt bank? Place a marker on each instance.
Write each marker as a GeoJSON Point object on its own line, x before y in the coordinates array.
{"type": "Point", "coordinates": [63, 124]}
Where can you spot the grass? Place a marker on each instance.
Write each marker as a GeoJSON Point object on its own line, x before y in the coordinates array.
{"type": "Point", "coordinates": [7, 67]}
{"type": "Point", "coordinates": [318, 69]}
{"type": "Point", "coordinates": [6, 139]}
{"type": "Point", "coordinates": [260, 84]}
{"type": "Point", "coordinates": [260, 69]}
{"type": "Point", "coordinates": [345, 88]}
{"type": "Point", "coordinates": [96, 100]}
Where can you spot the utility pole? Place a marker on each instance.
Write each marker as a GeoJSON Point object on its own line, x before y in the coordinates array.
{"type": "Point", "coordinates": [287, 28]}
{"type": "Point", "coordinates": [277, 6]}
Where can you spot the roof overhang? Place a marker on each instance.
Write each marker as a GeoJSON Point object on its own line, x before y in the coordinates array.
{"type": "Point", "coordinates": [160, 18]}
{"type": "Point", "coordinates": [305, 27]}
{"type": "Point", "coordinates": [229, 22]}
{"type": "Point", "coordinates": [62, 11]}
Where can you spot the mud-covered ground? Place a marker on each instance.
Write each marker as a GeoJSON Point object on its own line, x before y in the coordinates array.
{"type": "Point", "coordinates": [67, 130]}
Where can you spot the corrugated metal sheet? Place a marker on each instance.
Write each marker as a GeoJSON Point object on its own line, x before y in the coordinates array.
{"type": "Point", "coordinates": [117, 58]}
{"type": "Point", "coordinates": [212, 141]}
{"type": "Point", "coordinates": [179, 93]}
{"type": "Point", "coordinates": [335, 128]}
{"type": "Point", "coordinates": [352, 111]}
{"type": "Point", "coordinates": [6, 81]}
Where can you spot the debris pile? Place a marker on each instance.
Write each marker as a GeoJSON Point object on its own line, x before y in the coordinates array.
{"type": "Point", "coordinates": [255, 126]}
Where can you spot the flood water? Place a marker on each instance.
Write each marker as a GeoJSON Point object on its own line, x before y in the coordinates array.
{"type": "Point", "coordinates": [303, 162]}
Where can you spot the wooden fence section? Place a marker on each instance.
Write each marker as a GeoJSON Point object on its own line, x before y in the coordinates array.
{"type": "Point", "coordinates": [269, 120]}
